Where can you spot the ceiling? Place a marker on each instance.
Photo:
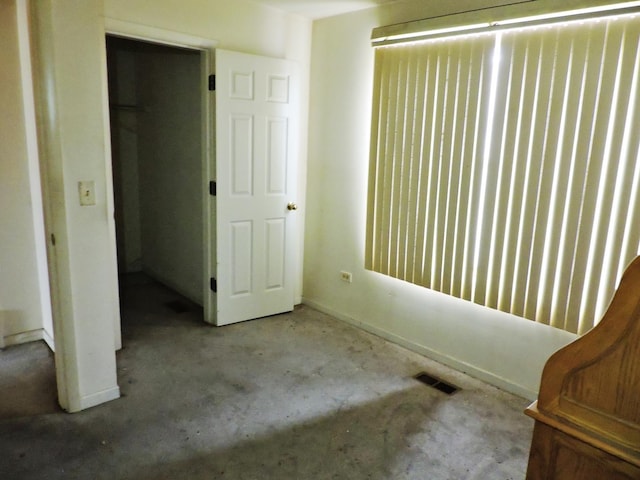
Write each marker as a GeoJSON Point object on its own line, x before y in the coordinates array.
{"type": "Point", "coordinates": [322, 8]}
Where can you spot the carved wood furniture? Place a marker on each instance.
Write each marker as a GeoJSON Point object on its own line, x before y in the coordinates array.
{"type": "Point", "coordinates": [587, 417]}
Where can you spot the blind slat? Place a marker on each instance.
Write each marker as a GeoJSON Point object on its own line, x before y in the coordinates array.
{"type": "Point", "coordinates": [446, 203]}
{"type": "Point", "coordinates": [624, 130]}
{"type": "Point", "coordinates": [405, 168]}
{"type": "Point", "coordinates": [477, 116]}
{"type": "Point", "coordinates": [423, 183]}
{"type": "Point", "coordinates": [468, 81]}
{"type": "Point", "coordinates": [414, 166]}
{"type": "Point", "coordinates": [597, 193]}
{"type": "Point", "coordinates": [549, 143]}
{"type": "Point", "coordinates": [518, 46]}
{"type": "Point", "coordinates": [568, 299]}
{"type": "Point", "coordinates": [389, 129]}
{"type": "Point", "coordinates": [375, 166]}
{"type": "Point", "coordinates": [554, 225]}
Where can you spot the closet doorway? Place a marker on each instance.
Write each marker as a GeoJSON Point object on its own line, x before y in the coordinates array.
{"type": "Point", "coordinates": [155, 104]}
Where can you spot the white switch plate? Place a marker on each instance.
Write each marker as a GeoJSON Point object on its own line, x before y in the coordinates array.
{"type": "Point", "coordinates": [87, 191]}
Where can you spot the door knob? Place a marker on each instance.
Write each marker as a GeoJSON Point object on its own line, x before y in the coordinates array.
{"type": "Point", "coordinates": [292, 206]}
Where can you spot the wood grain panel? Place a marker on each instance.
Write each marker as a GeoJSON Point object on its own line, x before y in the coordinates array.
{"type": "Point", "coordinates": [588, 411]}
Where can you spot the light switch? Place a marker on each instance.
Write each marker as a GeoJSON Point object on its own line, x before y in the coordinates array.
{"type": "Point", "coordinates": [87, 192]}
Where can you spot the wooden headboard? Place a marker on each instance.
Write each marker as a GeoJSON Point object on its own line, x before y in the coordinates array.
{"type": "Point", "coordinates": [588, 410]}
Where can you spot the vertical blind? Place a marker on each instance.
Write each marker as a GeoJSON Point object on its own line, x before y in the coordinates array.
{"type": "Point", "coordinates": [505, 167]}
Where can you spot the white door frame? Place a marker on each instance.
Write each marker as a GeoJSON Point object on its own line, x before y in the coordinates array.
{"type": "Point", "coordinates": [207, 47]}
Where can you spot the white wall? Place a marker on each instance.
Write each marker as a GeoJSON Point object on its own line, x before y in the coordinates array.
{"type": "Point", "coordinates": [505, 350]}
{"type": "Point", "coordinates": [170, 168]}
{"type": "Point", "coordinates": [71, 86]}
{"type": "Point", "coordinates": [25, 312]}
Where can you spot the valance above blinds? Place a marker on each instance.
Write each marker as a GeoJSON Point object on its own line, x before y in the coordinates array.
{"type": "Point", "coordinates": [505, 167]}
{"type": "Point", "coordinates": [496, 17]}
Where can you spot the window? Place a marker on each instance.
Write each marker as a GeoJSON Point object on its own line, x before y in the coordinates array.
{"type": "Point", "coordinates": [505, 166]}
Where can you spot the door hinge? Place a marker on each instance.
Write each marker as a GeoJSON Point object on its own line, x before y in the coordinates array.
{"type": "Point", "coordinates": [214, 285]}
{"type": "Point", "coordinates": [212, 188]}
{"type": "Point", "coordinates": [212, 83]}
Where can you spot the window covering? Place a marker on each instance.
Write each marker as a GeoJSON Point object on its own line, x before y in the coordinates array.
{"type": "Point", "coordinates": [505, 167]}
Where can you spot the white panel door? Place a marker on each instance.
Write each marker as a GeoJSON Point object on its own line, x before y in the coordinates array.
{"type": "Point", "coordinates": [255, 182]}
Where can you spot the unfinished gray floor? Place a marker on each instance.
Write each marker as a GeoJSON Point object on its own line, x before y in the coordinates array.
{"type": "Point", "coordinates": [296, 396]}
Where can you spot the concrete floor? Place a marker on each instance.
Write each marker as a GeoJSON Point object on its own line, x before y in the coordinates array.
{"type": "Point", "coordinates": [294, 396]}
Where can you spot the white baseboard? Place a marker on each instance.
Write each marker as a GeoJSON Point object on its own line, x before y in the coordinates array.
{"type": "Point", "coordinates": [172, 285]}
{"type": "Point", "coordinates": [95, 399]}
{"type": "Point", "coordinates": [23, 337]}
{"type": "Point", "coordinates": [445, 359]}
{"type": "Point", "coordinates": [26, 337]}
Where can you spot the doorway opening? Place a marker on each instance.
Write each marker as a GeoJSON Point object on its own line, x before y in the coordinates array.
{"type": "Point", "coordinates": [155, 105]}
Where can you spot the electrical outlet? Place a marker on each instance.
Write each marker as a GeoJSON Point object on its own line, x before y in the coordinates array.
{"type": "Point", "coordinates": [345, 276]}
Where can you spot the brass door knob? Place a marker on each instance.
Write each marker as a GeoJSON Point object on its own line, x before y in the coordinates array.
{"type": "Point", "coordinates": [292, 206]}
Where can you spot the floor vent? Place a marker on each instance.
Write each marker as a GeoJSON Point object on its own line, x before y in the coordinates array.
{"type": "Point", "coordinates": [436, 383]}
